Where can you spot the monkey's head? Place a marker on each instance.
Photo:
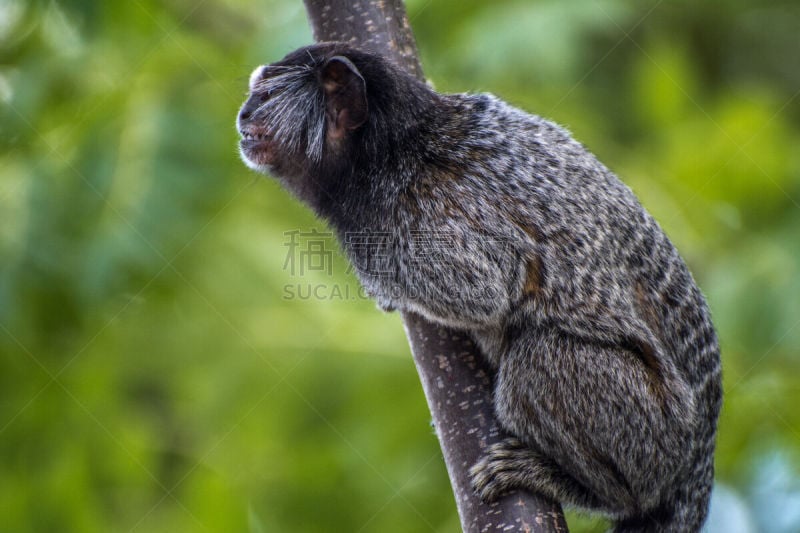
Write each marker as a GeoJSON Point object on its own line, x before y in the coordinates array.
{"type": "Point", "coordinates": [306, 104]}
{"type": "Point", "coordinates": [324, 109]}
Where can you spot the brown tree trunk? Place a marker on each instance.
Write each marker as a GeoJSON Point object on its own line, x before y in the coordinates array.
{"type": "Point", "coordinates": [456, 380]}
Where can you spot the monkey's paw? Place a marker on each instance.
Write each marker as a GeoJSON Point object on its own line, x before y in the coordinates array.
{"type": "Point", "coordinates": [504, 467]}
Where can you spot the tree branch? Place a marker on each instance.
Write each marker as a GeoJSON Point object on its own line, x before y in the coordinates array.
{"type": "Point", "coordinates": [377, 25]}
{"type": "Point", "coordinates": [456, 380]}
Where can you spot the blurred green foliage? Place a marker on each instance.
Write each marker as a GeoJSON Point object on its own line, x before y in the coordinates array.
{"type": "Point", "coordinates": [155, 375]}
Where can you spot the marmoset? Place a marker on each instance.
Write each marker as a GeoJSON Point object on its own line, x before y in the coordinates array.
{"type": "Point", "coordinates": [485, 218]}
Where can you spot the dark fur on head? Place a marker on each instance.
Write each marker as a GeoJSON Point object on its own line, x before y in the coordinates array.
{"type": "Point", "coordinates": [310, 118]}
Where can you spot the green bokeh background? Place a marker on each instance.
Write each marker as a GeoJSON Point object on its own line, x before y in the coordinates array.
{"type": "Point", "coordinates": [156, 373]}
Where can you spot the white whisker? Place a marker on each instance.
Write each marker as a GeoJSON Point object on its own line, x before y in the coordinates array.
{"type": "Point", "coordinates": [294, 112]}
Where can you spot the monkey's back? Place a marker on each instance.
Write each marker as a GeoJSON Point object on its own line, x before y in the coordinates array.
{"type": "Point", "coordinates": [600, 251]}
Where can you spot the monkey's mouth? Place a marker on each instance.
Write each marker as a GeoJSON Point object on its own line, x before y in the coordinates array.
{"type": "Point", "coordinates": [253, 137]}
{"type": "Point", "coordinates": [255, 146]}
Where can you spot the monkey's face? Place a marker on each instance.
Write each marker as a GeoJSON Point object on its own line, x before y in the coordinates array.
{"type": "Point", "coordinates": [299, 109]}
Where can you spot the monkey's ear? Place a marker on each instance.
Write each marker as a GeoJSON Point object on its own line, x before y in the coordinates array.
{"type": "Point", "coordinates": [345, 96]}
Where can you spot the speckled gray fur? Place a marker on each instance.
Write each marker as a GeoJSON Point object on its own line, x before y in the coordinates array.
{"type": "Point", "coordinates": [486, 218]}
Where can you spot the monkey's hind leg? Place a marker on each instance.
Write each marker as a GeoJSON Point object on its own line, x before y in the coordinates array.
{"type": "Point", "coordinates": [612, 427]}
{"type": "Point", "coordinates": [510, 465]}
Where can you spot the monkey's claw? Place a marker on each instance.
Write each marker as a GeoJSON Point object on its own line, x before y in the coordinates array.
{"type": "Point", "coordinates": [500, 469]}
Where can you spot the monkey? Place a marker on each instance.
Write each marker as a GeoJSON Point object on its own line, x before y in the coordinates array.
{"type": "Point", "coordinates": [487, 219]}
